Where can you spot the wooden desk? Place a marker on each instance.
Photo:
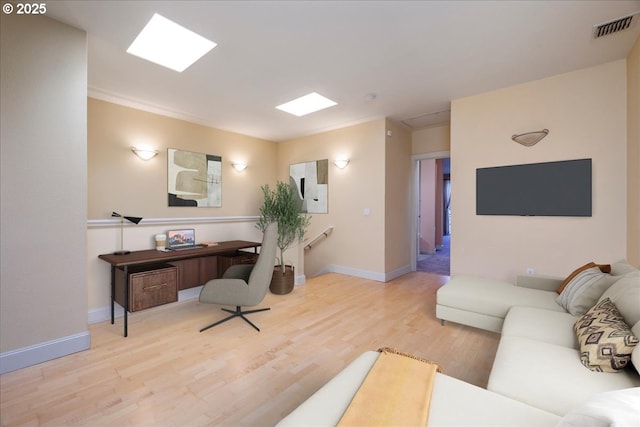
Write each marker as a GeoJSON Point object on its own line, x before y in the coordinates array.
{"type": "Point", "coordinates": [151, 258]}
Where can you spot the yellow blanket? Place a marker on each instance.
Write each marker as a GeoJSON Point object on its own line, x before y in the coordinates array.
{"type": "Point", "coordinates": [396, 392]}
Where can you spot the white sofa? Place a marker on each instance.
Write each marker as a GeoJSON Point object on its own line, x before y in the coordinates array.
{"type": "Point", "coordinates": [484, 303]}
{"type": "Point", "coordinates": [537, 378]}
{"type": "Point", "coordinates": [453, 402]}
{"type": "Point", "coordinates": [538, 357]}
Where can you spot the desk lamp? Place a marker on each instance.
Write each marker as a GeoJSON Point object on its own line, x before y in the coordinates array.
{"type": "Point", "coordinates": [133, 219]}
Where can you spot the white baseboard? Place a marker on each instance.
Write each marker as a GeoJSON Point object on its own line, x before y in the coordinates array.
{"type": "Point", "coordinates": [300, 280]}
{"type": "Point", "coordinates": [189, 294]}
{"type": "Point", "coordinates": [366, 274]}
{"type": "Point", "coordinates": [42, 352]}
{"type": "Point", "coordinates": [101, 314]}
{"type": "Point", "coordinates": [104, 313]}
{"type": "Point", "coordinates": [397, 273]}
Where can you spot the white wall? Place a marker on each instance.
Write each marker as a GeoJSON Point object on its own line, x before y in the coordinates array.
{"type": "Point", "coordinates": [44, 190]}
{"type": "Point", "coordinates": [585, 112]}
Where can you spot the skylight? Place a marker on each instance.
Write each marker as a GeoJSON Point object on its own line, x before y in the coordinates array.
{"type": "Point", "coordinates": [166, 43]}
{"type": "Point", "coordinates": [306, 104]}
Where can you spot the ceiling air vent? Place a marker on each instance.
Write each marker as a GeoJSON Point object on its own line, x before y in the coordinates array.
{"type": "Point", "coordinates": [615, 26]}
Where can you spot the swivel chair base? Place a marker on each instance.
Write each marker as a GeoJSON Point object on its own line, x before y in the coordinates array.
{"type": "Point", "coordinates": [237, 313]}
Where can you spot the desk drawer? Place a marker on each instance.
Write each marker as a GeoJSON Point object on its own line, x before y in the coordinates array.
{"type": "Point", "coordinates": [149, 288]}
{"type": "Point", "coordinates": [240, 257]}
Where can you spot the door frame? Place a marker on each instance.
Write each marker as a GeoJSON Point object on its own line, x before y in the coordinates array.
{"type": "Point", "coordinates": [415, 196]}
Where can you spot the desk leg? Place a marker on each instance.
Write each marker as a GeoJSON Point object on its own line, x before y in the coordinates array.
{"type": "Point", "coordinates": [126, 300]}
{"type": "Point", "coordinates": [113, 292]}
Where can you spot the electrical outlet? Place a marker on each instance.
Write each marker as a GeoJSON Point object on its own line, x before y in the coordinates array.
{"type": "Point", "coordinates": [530, 271]}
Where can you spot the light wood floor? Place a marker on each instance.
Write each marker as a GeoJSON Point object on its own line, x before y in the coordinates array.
{"type": "Point", "coordinates": [166, 373]}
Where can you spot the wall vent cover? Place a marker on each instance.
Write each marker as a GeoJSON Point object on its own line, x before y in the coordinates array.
{"type": "Point", "coordinates": [614, 26]}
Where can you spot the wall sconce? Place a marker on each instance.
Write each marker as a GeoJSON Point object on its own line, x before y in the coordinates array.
{"type": "Point", "coordinates": [144, 154]}
{"type": "Point", "coordinates": [239, 166]}
{"type": "Point", "coordinates": [341, 163]}
{"type": "Point", "coordinates": [530, 138]}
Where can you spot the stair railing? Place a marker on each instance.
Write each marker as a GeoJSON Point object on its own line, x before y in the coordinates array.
{"type": "Point", "coordinates": [326, 233]}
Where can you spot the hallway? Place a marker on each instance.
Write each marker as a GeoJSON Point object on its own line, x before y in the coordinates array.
{"type": "Point", "coordinates": [438, 263]}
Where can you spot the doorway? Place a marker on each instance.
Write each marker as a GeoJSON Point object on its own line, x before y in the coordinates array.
{"type": "Point", "coordinates": [433, 214]}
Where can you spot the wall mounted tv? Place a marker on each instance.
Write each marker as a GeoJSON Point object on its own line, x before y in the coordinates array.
{"type": "Point", "coordinates": [541, 189]}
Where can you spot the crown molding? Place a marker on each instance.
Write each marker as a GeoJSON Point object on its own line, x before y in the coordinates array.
{"type": "Point", "coordinates": [116, 98]}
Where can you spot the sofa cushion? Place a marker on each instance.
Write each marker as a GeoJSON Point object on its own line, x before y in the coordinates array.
{"type": "Point", "coordinates": [605, 268]}
{"type": "Point", "coordinates": [622, 268]}
{"type": "Point", "coordinates": [625, 294]}
{"type": "Point", "coordinates": [469, 318]}
{"type": "Point", "coordinates": [481, 407]}
{"type": "Point", "coordinates": [606, 341]}
{"type": "Point", "coordinates": [457, 403]}
{"type": "Point", "coordinates": [584, 289]}
{"type": "Point", "coordinates": [549, 376]}
{"type": "Point", "coordinates": [611, 408]}
{"type": "Point", "coordinates": [541, 325]}
{"type": "Point", "coordinates": [492, 297]}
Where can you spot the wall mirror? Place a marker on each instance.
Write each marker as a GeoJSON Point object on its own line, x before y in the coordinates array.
{"type": "Point", "coordinates": [311, 179]}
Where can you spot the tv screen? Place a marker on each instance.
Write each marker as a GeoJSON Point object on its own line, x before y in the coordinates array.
{"type": "Point", "coordinates": [541, 189]}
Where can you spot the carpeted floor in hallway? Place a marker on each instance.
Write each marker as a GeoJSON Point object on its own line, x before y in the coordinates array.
{"type": "Point", "coordinates": [439, 262]}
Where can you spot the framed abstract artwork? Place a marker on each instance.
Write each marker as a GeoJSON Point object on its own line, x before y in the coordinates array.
{"type": "Point", "coordinates": [311, 179]}
{"type": "Point", "coordinates": [194, 179]}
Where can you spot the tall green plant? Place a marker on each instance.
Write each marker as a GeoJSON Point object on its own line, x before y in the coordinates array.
{"type": "Point", "coordinates": [282, 205]}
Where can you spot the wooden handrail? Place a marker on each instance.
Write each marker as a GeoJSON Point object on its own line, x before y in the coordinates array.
{"type": "Point", "coordinates": [320, 236]}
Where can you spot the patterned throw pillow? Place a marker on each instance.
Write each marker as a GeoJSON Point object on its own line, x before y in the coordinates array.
{"type": "Point", "coordinates": [606, 341]}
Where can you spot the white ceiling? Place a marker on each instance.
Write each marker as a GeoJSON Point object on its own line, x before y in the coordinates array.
{"type": "Point", "coordinates": [415, 56]}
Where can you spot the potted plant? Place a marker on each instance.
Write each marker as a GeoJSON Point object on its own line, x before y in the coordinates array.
{"type": "Point", "coordinates": [282, 205]}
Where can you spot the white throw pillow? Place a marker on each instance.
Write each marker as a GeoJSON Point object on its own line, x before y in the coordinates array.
{"type": "Point", "coordinates": [622, 268]}
{"type": "Point", "coordinates": [625, 295]}
{"type": "Point", "coordinates": [618, 408]}
{"type": "Point", "coordinates": [583, 291]}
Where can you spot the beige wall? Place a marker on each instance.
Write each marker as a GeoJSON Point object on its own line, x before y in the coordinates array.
{"type": "Point", "coordinates": [431, 140]}
{"type": "Point", "coordinates": [357, 240]}
{"type": "Point", "coordinates": [44, 188]}
{"type": "Point", "coordinates": [591, 113]}
{"type": "Point", "coordinates": [397, 198]}
{"type": "Point", "coordinates": [633, 154]}
{"type": "Point", "coordinates": [585, 112]}
{"type": "Point", "coordinates": [120, 181]}
{"type": "Point", "coordinates": [427, 206]}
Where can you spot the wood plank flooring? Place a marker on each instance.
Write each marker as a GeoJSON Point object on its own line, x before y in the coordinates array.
{"type": "Point", "coordinates": [166, 373]}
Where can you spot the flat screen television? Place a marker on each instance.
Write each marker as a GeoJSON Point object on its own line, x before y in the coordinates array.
{"type": "Point", "coordinates": [539, 189]}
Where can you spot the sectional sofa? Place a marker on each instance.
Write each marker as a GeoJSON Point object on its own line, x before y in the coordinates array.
{"type": "Point", "coordinates": [551, 367]}
{"type": "Point", "coordinates": [540, 358]}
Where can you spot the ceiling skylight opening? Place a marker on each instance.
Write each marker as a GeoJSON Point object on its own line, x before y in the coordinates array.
{"type": "Point", "coordinates": [166, 43]}
{"type": "Point", "coordinates": [306, 104]}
